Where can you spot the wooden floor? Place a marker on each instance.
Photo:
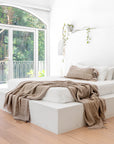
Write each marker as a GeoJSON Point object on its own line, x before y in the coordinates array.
{"type": "Point", "coordinates": [18, 132]}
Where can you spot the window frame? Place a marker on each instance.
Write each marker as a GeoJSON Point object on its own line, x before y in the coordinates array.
{"type": "Point", "coordinates": [35, 31]}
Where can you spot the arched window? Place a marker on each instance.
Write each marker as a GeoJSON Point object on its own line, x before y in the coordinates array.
{"type": "Point", "coordinates": [22, 44]}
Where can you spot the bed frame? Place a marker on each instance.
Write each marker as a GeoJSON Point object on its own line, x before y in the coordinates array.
{"type": "Point", "coordinates": [59, 118]}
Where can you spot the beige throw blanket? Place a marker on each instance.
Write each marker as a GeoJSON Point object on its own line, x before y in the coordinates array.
{"type": "Point", "coordinates": [17, 100]}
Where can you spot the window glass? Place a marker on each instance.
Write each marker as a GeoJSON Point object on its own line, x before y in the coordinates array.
{"type": "Point", "coordinates": [17, 45]}
{"type": "Point", "coordinates": [14, 16]}
{"type": "Point", "coordinates": [23, 54]}
{"type": "Point", "coordinates": [3, 55]}
{"type": "Point", "coordinates": [41, 53]}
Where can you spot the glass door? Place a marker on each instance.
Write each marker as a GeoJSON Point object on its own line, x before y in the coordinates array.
{"type": "Point", "coordinates": [3, 56]}
{"type": "Point", "coordinates": [23, 54]}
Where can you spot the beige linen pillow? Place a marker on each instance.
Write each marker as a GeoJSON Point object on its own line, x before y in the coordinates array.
{"type": "Point", "coordinates": [82, 73]}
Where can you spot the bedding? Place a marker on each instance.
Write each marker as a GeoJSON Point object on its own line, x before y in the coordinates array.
{"type": "Point", "coordinates": [62, 95]}
{"type": "Point", "coordinates": [17, 100]}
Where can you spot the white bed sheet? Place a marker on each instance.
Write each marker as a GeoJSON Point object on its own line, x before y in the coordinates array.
{"type": "Point", "coordinates": [63, 95]}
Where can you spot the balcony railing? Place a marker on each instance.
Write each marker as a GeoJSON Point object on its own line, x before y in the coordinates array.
{"type": "Point", "coordinates": [21, 69]}
{"type": "Point", "coordinates": [3, 71]}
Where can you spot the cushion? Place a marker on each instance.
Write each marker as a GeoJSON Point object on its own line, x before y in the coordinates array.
{"type": "Point", "coordinates": [102, 73]}
{"type": "Point", "coordinates": [105, 72]}
{"type": "Point", "coordinates": [110, 73]}
{"type": "Point", "coordinates": [82, 73]}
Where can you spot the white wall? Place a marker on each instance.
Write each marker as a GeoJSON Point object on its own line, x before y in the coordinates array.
{"type": "Point", "coordinates": [91, 13]}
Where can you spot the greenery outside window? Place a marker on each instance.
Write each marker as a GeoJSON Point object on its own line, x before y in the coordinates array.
{"type": "Point", "coordinates": [22, 44]}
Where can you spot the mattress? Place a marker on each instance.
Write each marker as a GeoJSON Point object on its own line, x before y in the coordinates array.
{"type": "Point", "coordinates": [62, 94]}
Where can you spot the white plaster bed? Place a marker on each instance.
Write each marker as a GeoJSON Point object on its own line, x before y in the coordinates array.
{"type": "Point", "coordinates": [59, 118]}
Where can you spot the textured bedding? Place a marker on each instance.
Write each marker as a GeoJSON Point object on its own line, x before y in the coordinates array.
{"type": "Point", "coordinates": [17, 100]}
{"type": "Point", "coordinates": [62, 95]}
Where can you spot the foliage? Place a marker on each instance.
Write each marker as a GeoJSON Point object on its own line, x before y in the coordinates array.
{"type": "Point", "coordinates": [30, 73]}
{"type": "Point", "coordinates": [23, 42]}
{"type": "Point", "coordinates": [70, 28]}
{"type": "Point", "coordinates": [41, 43]}
{"type": "Point", "coordinates": [40, 73]}
{"type": "Point", "coordinates": [23, 46]}
{"type": "Point", "coordinates": [15, 16]}
{"type": "Point", "coordinates": [88, 38]}
{"type": "Point", "coordinates": [3, 44]}
{"type": "Point", "coordinates": [65, 32]}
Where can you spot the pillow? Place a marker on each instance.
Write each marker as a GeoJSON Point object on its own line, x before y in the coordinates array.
{"type": "Point", "coordinates": [103, 71]}
{"type": "Point", "coordinates": [113, 75]}
{"type": "Point", "coordinates": [110, 73]}
{"type": "Point", "coordinates": [82, 73]}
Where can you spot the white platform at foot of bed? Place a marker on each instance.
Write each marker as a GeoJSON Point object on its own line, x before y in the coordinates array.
{"type": "Point", "coordinates": [60, 118]}
{"type": "Point", "coordinates": [57, 118]}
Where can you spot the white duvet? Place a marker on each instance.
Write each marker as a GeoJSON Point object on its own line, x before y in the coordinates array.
{"type": "Point", "coordinates": [63, 95]}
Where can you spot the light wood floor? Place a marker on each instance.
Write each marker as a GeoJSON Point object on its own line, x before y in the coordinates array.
{"type": "Point", "coordinates": [18, 132]}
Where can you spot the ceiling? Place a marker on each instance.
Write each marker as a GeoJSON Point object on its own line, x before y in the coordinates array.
{"type": "Point", "coordinates": [44, 4]}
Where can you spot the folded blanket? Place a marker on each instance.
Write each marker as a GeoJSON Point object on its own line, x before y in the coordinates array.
{"type": "Point", "coordinates": [17, 100]}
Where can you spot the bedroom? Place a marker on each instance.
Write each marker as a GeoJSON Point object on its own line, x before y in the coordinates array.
{"type": "Point", "coordinates": [44, 38]}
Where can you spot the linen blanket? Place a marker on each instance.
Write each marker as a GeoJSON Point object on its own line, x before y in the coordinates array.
{"type": "Point", "coordinates": [17, 100]}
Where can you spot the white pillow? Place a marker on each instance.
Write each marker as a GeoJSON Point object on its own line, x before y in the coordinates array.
{"type": "Point", "coordinates": [110, 73]}
{"type": "Point", "coordinates": [103, 71]}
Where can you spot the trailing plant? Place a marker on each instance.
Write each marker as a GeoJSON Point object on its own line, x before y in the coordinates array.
{"type": "Point", "coordinates": [65, 32]}
{"type": "Point", "coordinates": [88, 38]}
{"type": "Point", "coordinates": [67, 28]}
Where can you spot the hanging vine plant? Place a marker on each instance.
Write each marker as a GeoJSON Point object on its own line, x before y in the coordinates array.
{"type": "Point", "coordinates": [88, 38]}
{"type": "Point", "coordinates": [67, 28]}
